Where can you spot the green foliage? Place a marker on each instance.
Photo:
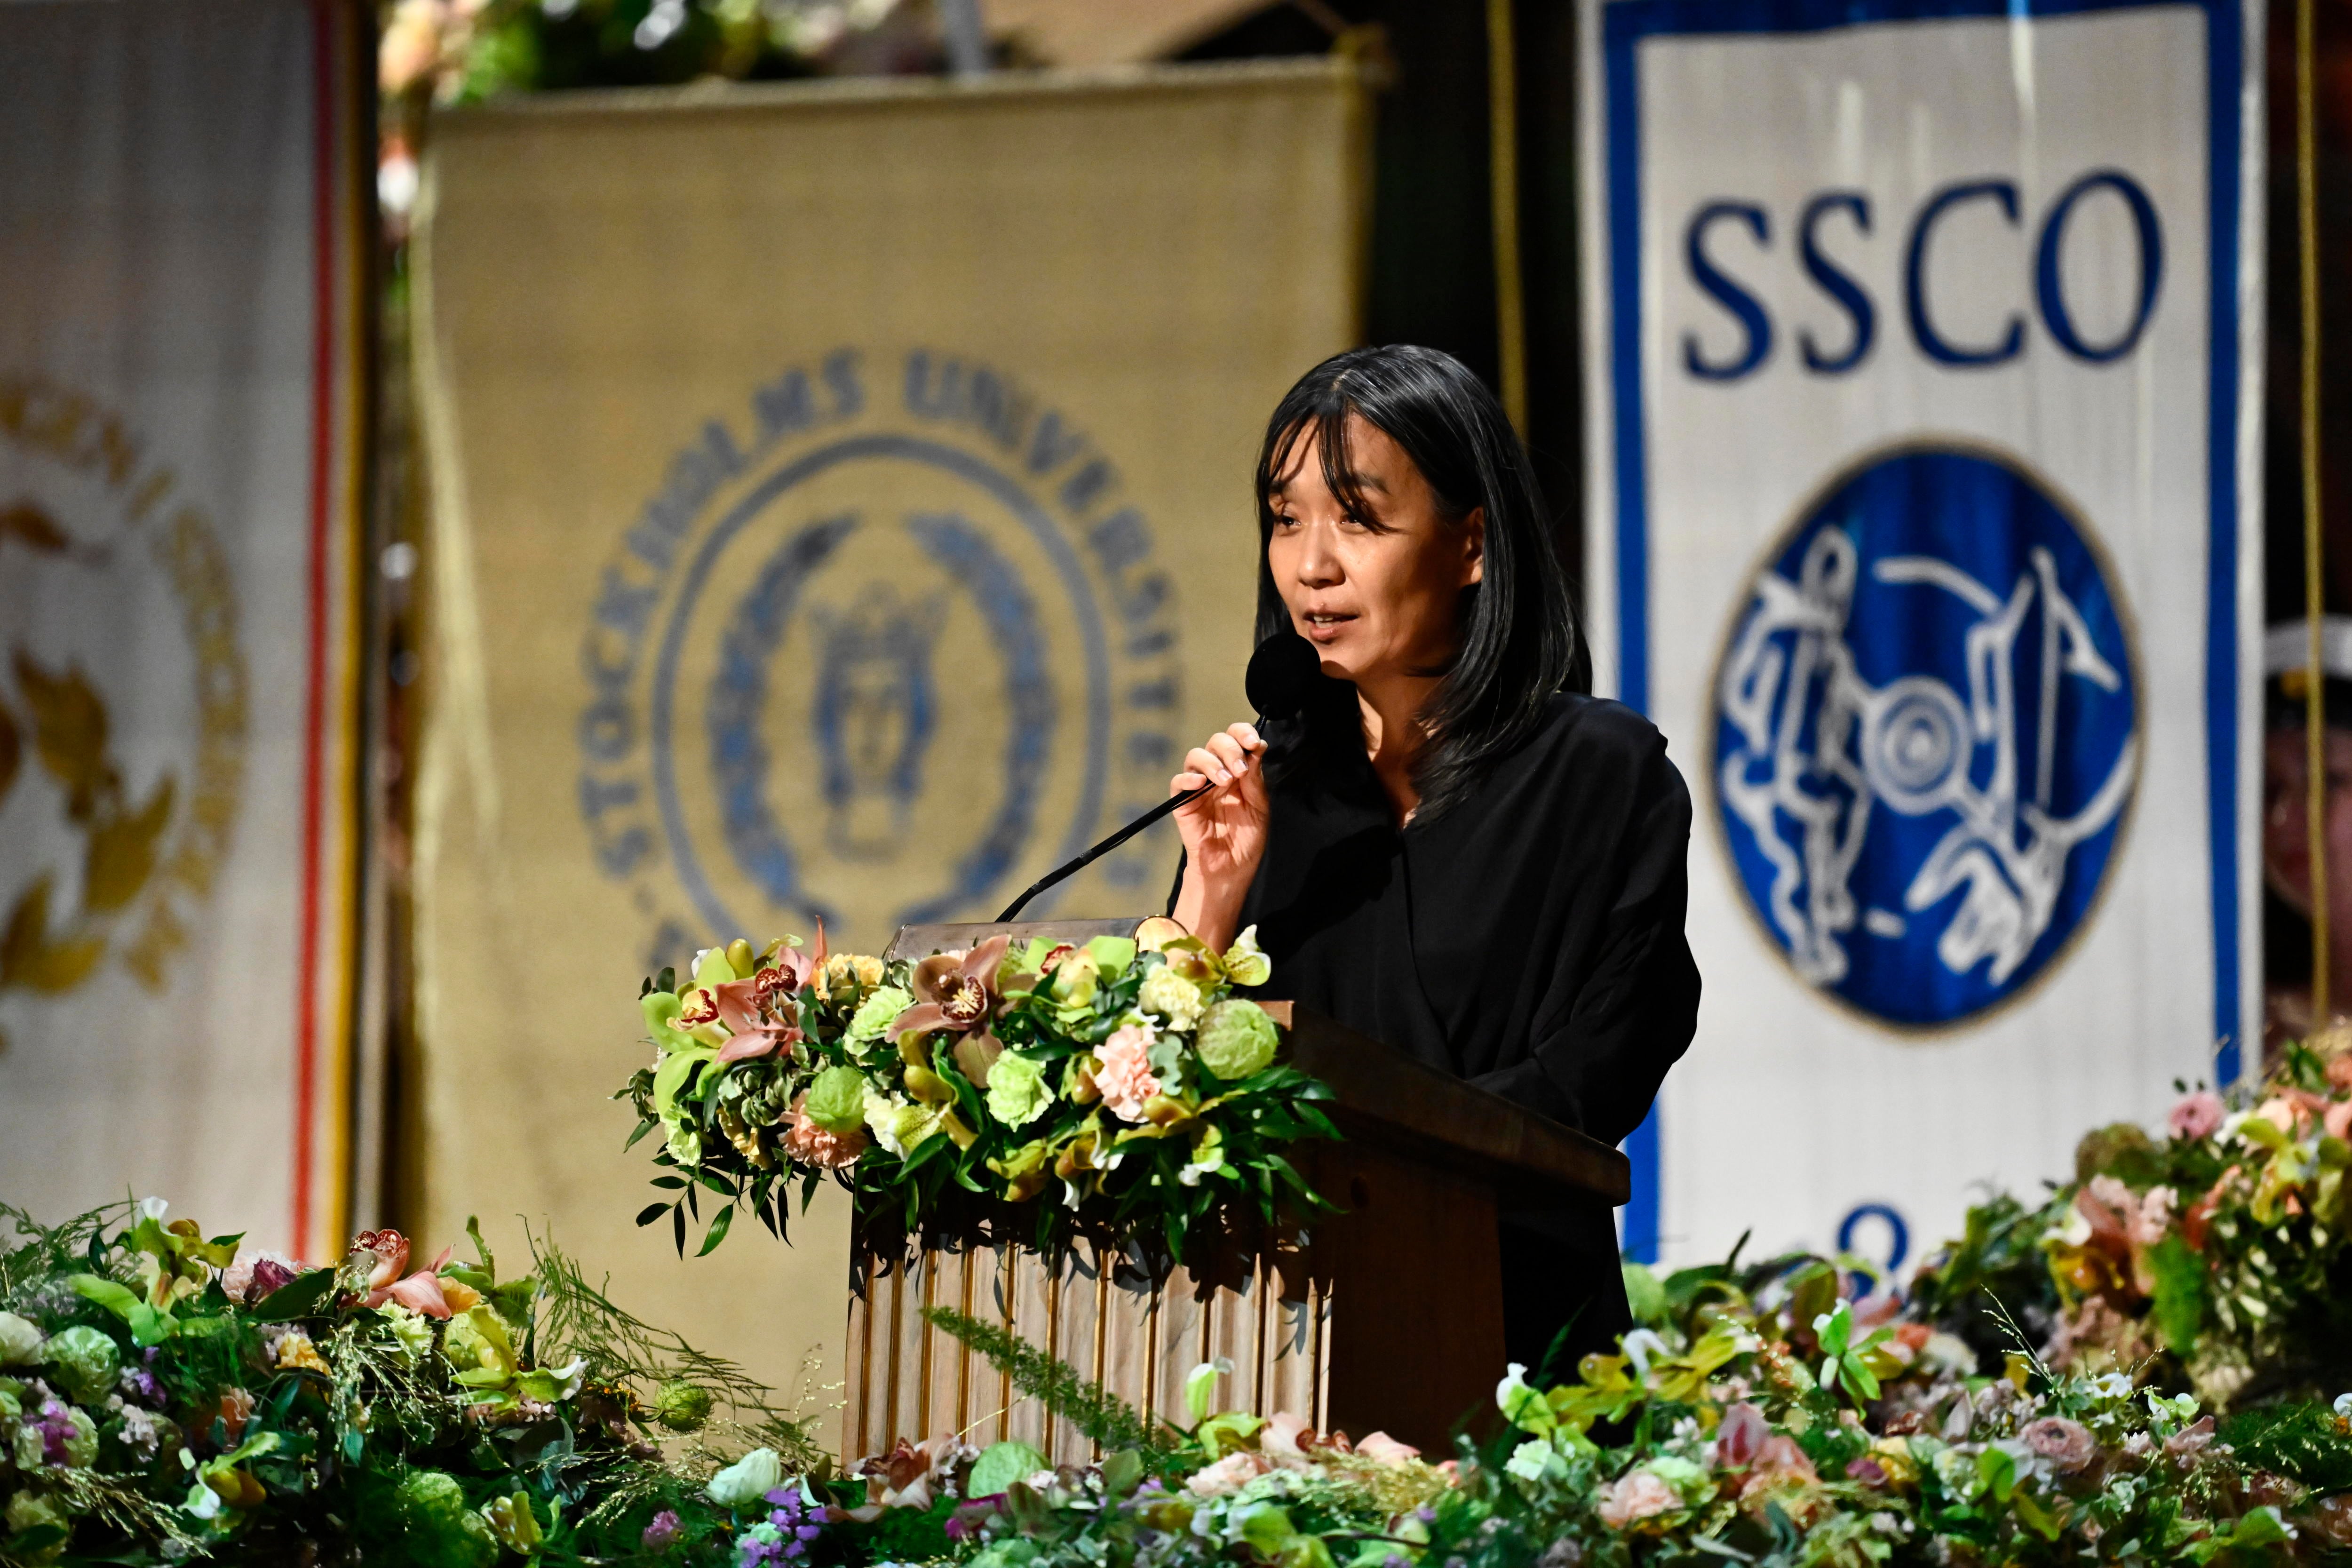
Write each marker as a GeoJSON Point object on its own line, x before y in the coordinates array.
{"type": "Point", "coordinates": [2304, 1442]}
{"type": "Point", "coordinates": [286, 1432]}
{"type": "Point", "coordinates": [1104, 1418]}
{"type": "Point", "coordinates": [910, 1534]}
{"type": "Point", "coordinates": [1997, 1262]}
{"type": "Point", "coordinates": [2180, 1301]}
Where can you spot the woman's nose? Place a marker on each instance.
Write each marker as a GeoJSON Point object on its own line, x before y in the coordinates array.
{"type": "Point", "coordinates": [1318, 565]}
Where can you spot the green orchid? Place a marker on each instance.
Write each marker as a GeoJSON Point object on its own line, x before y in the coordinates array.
{"type": "Point", "coordinates": [510, 1518]}
{"type": "Point", "coordinates": [1246, 963]}
{"type": "Point", "coordinates": [1025, 1170]}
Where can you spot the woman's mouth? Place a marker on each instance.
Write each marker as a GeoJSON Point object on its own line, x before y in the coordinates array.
{"type": "Point", "coordinates": [1322, 625]}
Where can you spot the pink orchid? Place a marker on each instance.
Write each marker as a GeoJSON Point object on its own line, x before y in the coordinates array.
{"type": "Point", "coordinates": [905, 1477]}
{"type": "Point", "coordinates": [387, 1251]}
{"type": "Point", "coordinates": [2185, 1445]}
{"type": "Point", "coordinates": [2149, 1225]}
{"type": "Point", "coordinates": [2110, 1208]}
{"type": "Point", "coordinates": [1285, 1440]}
{"type": "Point", "coordinates": [1780, 1459]}
{"type": "Point", "coordinates": [760, 1011]}
{"type": "Point", "coordinates": [1387, 1450]}
{"type": "Point", "coordinates": [1741, 1437]}
{"type": "Point", "coordinates": [957, 992]}
{"type": "Point", "coordinates": [1873, 1310]}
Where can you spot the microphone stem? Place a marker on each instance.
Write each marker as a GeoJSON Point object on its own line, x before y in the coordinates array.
{"type": "Point", "coordinates": [1013, 910]}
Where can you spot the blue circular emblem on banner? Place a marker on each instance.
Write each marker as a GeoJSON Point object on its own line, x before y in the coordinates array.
{"type": "Point", "coordinates": [1926, 736]}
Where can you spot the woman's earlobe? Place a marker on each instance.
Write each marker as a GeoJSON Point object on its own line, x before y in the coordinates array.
{"type": "Point", "coordinates": [1473, 546]}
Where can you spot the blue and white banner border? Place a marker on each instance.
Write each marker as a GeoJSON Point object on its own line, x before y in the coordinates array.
{"type": "Point", "coordinates": [1617, 575]}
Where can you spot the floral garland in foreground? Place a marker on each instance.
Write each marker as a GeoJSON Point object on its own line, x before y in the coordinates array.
{"type": "Point", "coordinates": [165, 1397]}
{"type": "Point", "coordinates": [159, 1402]}
{"type": "Point", "coordinates": [2192, 1291]}
{"type": "Point", "coordinates": [1120, 1081]}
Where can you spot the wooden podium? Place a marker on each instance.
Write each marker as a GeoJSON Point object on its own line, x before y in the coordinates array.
{"type": "Point", "coordinates": [1385, 1317]}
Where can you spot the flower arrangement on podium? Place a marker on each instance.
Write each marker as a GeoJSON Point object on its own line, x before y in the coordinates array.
{"type": "Point", "coordinates": [1119, 1080]}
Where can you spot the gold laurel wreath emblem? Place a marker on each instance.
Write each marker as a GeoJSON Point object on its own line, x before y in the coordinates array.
{"type": "Point", "coordinates": [63, 719]}
{"type": "Point", "coordinates": [145, 859]}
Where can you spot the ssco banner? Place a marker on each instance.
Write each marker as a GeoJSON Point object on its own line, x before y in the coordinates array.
{"type": "Point", "coordinates": [182, 285]}
{"type": "Point", "coordinates": [841, 513]}
{"type": "Point", "coordinates": [1923, 523]}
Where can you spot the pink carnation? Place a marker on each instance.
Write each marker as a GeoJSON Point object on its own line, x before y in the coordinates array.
{"type": "Point", "coordinates": [807, 1144]}
{"type": "Point", "coordinates": [2067, 1444]}
{"type": "Point", "coordinates": [1125, 1077]}
{"type": "Point", "coordinates": [1229, 1474]}
{"type": "Point", "coordinates": [1637, 1495]}
{"type": "Point", "coordinates": [2198, 1115]}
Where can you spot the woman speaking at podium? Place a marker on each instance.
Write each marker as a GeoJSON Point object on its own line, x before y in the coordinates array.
{"type": "Point", "coordinates": [1452, 849]}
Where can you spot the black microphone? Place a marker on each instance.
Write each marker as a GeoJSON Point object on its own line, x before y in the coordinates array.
{"type": "Point", "coordinates": [1281, 677]}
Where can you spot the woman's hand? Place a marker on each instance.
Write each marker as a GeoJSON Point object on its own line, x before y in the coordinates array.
{"type": "Point", "coordinates": [1223, 831]}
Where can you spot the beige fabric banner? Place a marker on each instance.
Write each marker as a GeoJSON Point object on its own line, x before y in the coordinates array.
{"type": "Point", "coordinates": [842, 509]}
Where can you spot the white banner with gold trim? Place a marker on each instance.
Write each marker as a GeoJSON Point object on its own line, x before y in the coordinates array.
{"type": "Point", "coordinates": [178, 513]}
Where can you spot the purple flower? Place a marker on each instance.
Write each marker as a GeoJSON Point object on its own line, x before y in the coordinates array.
{"type": "Point", "coordinates": [138, 1383]}
{"type": "Point", "coordinates": [57, 1428]}
{"type": "Point", "coordinates": [1868, 1471]}
{"type": "Point", "coordinates": [661, 1532]}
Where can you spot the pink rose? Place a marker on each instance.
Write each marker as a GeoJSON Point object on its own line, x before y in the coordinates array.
{"type": "Point", "coordinates": [2198, 1115]}
{"type": "Point", "coordinates": [1637, 1495]}
{"type": "Point", "coordinates": [1125, 1077]}
{"type": "Point", "coordinates": [2067, 1444]}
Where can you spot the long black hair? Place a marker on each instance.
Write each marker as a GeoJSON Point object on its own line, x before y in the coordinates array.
{"type": "Point", "coordinates": [1519, 642]}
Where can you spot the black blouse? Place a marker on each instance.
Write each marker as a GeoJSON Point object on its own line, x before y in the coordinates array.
{"type": "Point", "coordinates": [1529, 939]}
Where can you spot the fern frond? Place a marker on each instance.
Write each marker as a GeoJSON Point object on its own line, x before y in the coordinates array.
{"type": "Point", "coordinates": [1106, 1419]}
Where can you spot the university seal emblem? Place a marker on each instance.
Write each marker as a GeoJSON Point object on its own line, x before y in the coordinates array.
{"type": "Point", "coordinates": [1926, 735]}
{"type": "Point", "coordinates": [123, 692]}
{"type": "Point", "coordinates": [890, 641]}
